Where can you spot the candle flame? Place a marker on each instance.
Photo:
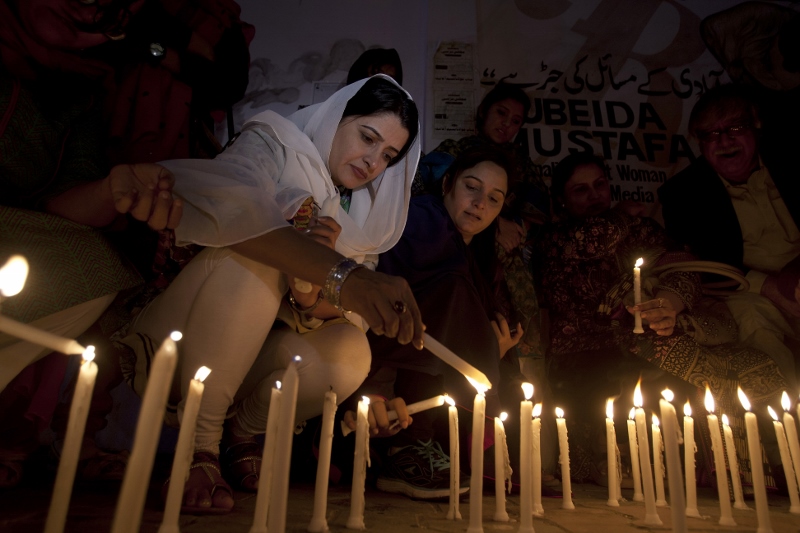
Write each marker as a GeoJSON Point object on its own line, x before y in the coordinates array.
{"type": "Point", "coordinates": [202, 373]}
{"type": "Point", "coordinates": [527, 390]}
{"type": "Point", "coordinates": [772, 413]}
{"type": "Point", "coordinates": [537, 410]}
{"type": "Point", "coordinates": [610, 408]}
{"type": "Point", "coordinates": [687, 409]}
{"type": "Point", "coordinates": [786, 403]}
{"type": "Point", "coordinates": [297, 359]}
{"type": "Point", "coordinates": [449, 400]}
{"type": "Point", "coordinates": [479, 387]}
{"type": "Point", "coordinates": [638, 401]}
{"type": "Point", "coordinates": [176, 336]}
{"type": "Point", "coordinates": [655, 420]}
{"type": "Point", "coordinates": [13, 275]}
{"type": "Point", "coordinates": [559, 412]}
{"type": "Point", "coordinates": [632, 414]}
{"type": "Point", "coordinates": [709, 401]}
{"type": "Point", "coordinates": [743, 399]}
{"type": "Point", "coordinates": [639, 262]}
{"type": "Point", "coordinates": [725, 420]}
{"type": "Point", "coordinates": [278, 385]}
{"type": "Point", "coordinates": [88, 354]}
{"type": "Point", "coordinates": [668, 395]}
{"type": "Point", "coordinates": [503, 416]}
{"type": "Point", "coordinates": [365, 400]}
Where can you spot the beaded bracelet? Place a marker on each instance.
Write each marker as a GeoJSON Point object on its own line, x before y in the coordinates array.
{"type": "Point", "coordinates": [296, 306]}
{"type": "Point", "coordinates": [336, 277]}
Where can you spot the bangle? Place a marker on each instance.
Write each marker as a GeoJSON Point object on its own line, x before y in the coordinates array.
{"type": "Point", "coordinates": [336, 278]}
{"type": "Point", "coordinates": [294, 305]}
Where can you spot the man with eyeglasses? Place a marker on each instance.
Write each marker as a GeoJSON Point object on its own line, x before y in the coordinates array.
{"type": "Point", "coordinates": [740, 204]}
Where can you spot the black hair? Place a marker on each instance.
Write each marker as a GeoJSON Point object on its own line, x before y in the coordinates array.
{"type": "Point", "coordinates": [379, 95]}
{"type": "Point", "coordinates": [500, 92]}
{"type": "Point", "coordinates": [567, 167]}
{"type": "Point", "coordinates": [371, 61]}
{"type": "Point", "coordinates": [730, 100]}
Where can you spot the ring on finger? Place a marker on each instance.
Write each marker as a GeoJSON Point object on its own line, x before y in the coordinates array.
{"type": "Point", "coordinates": [661, 302]}
{"type": "Point", "coordinates": [400, 307]}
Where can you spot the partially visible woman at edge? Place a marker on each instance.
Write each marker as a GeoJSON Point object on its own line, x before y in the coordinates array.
{"type": "Point", "coordinates": [354, 156]}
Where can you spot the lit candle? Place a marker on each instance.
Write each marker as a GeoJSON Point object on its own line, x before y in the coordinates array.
{"type": "Point", "coordinates": [726, 516]}
{"type": "Point", "coordinates": [454, 513]}
{"type": "Point", "coordinates": [788, 469]}
{"type": "Point", "coordinates": [267, 462]}
{"type": "Point", "coordinates": [412, 409]}
{"type": "Point", "coordinates": [791, 432]}
{"type": "Point", "coordinates": [525, 452]}
{"type": "Point", "coordinates": [674, 474]}
{"type": "Point", "coordinates": [356, 519]}
{"type": "Point", "coordinates": [536, 460]}
{"type": "Point", "coordinates": [611, 456]}
{"type": "Point", "coordinates": [637, 296]}
{"type": "Point", "coordinates": [563, 458]}
{"type": "Point", "coordinates": [279, 487]}
{"type": "Point", "coordinates": [128, 515]}
{"type": "Point", "coordinates": [40, 337]}
{"type": "Point", "coordinates": [689, 449]}
{"type": "Point", "coordinates": [68, 463]}
{"type": "Point", "coordinates": [634, 446]}
{"type": "Point", "coordinates": [733, 461]}
{"type": "Point", "coordinates": [319, 522]}
{"type": "Point", "coordinates": [476, 476]}
{"type": "Point", "coordinates": [756, 466]}
{"type": "Point", "coordinates": [650, 513]}
{"type": "Point", "coordinates": [502, 468]}
{"type": "Point", "coordinates": [658, 464]}
{"type": "Point", "coordinates": [184, 450]}
{"type": "Point", "coordinates": [444, 353]}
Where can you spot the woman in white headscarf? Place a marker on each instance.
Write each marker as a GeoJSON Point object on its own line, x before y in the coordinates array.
{"type": "Point", "coordinates": [355, 154]}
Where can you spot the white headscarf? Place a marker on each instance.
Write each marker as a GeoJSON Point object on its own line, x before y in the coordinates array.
{"type": "Point", "coordinates": [377, 213]}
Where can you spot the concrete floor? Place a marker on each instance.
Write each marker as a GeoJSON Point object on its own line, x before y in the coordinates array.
{"type": "Point", "coordinates": [23, 510]}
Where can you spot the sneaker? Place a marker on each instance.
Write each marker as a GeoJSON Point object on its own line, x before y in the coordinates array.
{"type": "Point", "coordinates": [420, 471]}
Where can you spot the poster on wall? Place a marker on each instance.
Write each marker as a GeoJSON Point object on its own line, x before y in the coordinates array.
{"type": "Point", "coordinates": [620, 77]}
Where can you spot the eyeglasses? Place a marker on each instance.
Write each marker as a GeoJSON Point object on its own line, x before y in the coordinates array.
{"type": "Point", "coordinates": [730, 131]}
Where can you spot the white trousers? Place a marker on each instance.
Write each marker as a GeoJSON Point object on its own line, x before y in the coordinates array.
{"type": "Point", "coordinates": [225, 305]}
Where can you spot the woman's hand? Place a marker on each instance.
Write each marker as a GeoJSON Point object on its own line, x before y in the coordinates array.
{"type": "Point", "coordinates": [660, 313]}
{"type": "Point", "coordinates": [509, 234]}
{"type": "Point", "coordinates": [324, 230]}
{"type": "Point", "coordinates": [145, 191]}
{"type": "Point", "coordinates": [386, 303]}
{"type": "Point", "coordinates": [505, 338]}
{"type": "Point", "coordinates": [378, 416]}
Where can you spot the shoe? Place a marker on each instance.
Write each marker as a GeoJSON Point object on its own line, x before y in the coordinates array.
{"type": "Point", "coordinates": [420, 471]}
{"type": "Point", "coordinates": [204, 473]}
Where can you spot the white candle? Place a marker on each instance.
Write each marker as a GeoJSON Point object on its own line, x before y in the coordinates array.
{"type": "Point", "coordinates": [476, 476]}
{"type": "Point", "coordinates": [267, 462]}
{"type": "Point", "coordinates": [674, 474]}
{"type": "Point", "coordinates": [525, 452]}
{"type": "Point", "coordinates": [726, 516]}
{"type": "Point", "coordinates": [634, 448]}
{"type": "Point", "coordinates": [444, 353]}
{"type": "Point", "coordinates": [68, 463]}
{"type": "Point", "coordinates": [637, 296]}
{"type": "Point", "coordinates": [536, 460]}
{"type": "Point", "coordinates": [319, 521]}
{"type": "Point", "coordinates": [128, 515]}
{"type": "Point", "coordinates": [611, 456]}
{"type": "Point", "coordinates": [788, 469]}
{"type": "Point", "coordinates": [689, 449]}
{"type": "Point", "coordinates": [453, 512]}
{"type": "Point", "coordinates": [502, 469]}
{"type": "Point", "coordinates": [563, 458]}
{"type": "Point", "coordinates": [650, 513]}
{"type": "Point", "coordinates": [40, 337]}
{"type": "Point", "coordinates": [356, 519]}
{"type": "Point", "coordinates": [279, 488]}
{"type": "Point", "coordinates": [791, 432]}
{"type": "Point", "coordinates": [658, 464]}
{"type": "Point", "coordinates": [412, 409]}
{"type": "Point", "coordinates": [184, 451]}
{"type": "Point", "coordinates": [733, 461]}
{"type": "Point", "coordinates": [756, 466]}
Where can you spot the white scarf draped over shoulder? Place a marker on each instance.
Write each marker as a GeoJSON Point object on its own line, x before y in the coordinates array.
{"type": "Point", "coordinates": [260, 181]}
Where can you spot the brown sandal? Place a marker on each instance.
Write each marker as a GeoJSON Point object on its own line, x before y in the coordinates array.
{"type": "Point", "coordinates": [206, 466]}
{"type": "Point", "coordinates": [243, 464]}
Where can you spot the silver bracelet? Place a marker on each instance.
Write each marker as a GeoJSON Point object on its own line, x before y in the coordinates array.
{"type": "Point", "coordinates": [336, 277]}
